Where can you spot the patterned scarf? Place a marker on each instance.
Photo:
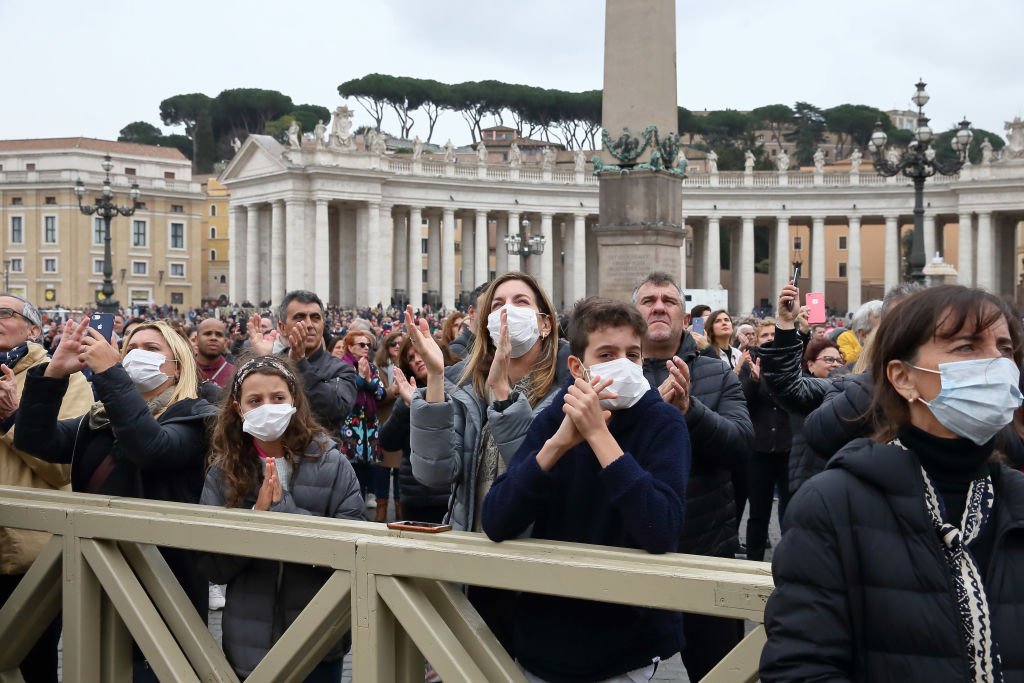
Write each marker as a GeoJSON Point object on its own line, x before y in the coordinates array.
{"type": "Point", "coordinates": [11, 358]}
{"type": "Point", "coordinates": [971, 598]}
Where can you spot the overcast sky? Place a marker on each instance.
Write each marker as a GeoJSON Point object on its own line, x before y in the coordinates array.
{"type": "Point", "coordinates": [88, 68]}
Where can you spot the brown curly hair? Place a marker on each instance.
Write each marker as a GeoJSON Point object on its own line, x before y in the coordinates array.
{"type": "Point", "coordinates": [233, 451]}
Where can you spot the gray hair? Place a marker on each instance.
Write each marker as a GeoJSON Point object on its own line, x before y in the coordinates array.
{"type": "Point", "coordinates": [862, 318]}
{"type": "Point", "coordinates": [28, 309]}
{"type": "Point", "coordinates": [898, 294]}
{"type": "Point", "coordinates": [659, 279]}
{"type": "Point", "coordinates": [303, 296]}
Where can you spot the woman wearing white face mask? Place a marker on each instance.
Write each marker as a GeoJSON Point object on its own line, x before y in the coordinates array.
{"type": "Point", "coordinates": [904, 559]}
{"type": "Point", "coordinates": [144, 438]}
{"type": "Point", "coordinates": [464, 434]}
{"type": "Point", "coordinates": [269, 453]}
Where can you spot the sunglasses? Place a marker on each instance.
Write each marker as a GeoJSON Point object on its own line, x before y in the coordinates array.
{"type": "Point", "coordinates": [362, 345]}
{"type": "Point", "coordinates": [394, 344]}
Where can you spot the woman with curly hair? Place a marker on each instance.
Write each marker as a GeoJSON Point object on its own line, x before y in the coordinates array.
{"type": "Point", "coordinates": [269, 453]}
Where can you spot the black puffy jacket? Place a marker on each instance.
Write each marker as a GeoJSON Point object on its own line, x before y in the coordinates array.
{"type": "Point", "coordinates": [721, 436]}
{"type": "Point", "coordinates": [394, 436]}
{"type": "Point", "coordinates": [862, 590]}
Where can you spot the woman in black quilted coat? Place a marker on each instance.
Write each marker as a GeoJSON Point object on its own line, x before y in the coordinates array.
{"type": "Point", "coordinates": [904, 560]}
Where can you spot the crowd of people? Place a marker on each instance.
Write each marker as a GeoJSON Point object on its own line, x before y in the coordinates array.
{"type": "Point", "coordinates": [888, 447]}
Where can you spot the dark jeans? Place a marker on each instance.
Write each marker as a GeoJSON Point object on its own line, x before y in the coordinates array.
{"type": "Point", "coordinates": [326, 672]}
{"type": "Point", "coordinates": [383, 477]}
{"type": "Point", "coordinates": [765, 472]}
{"type": "Point", "coordinates": [497, 608]}
{"type": "Point", "coordinates": [40, 665]}
{"type": "Point", "coordinates": [708, 640]}
{"type": "Point", "coordinates": [364, 474]}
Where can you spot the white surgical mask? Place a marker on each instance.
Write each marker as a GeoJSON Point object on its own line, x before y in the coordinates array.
{"type": "Point", "coordinates": [268, 421]}
{"type": "Point", "coordinates": [143, 367]}
{"type": "Point", "coordinates": [978, 397]}
{"type": "Point", "coordinates": [523, 330]}
{"type": "Point", "coordinates": [628, 382]}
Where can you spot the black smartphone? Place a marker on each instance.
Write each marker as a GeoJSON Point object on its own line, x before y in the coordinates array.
{"type": "Point", "coordinates": [795, 281]}
{"type": "Point", "coordinates": [102, 323]}
{"type": "Point", "coordinates": [243, 326]}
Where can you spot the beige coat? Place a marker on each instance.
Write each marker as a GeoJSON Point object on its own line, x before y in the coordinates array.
{"type": "Point", "coordinates": [19, 548]}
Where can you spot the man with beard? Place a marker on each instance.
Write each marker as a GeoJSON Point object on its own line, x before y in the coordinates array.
{"type": "Point", "coordinates": [211, 342]}
{"type": "Point", "coordinates": [710, 397]}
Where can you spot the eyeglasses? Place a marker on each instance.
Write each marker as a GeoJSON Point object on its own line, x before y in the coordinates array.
{"type": "Point", "coordinates": [831, 360]}
{"type": "Point", "coordinates": [6, 313]}
{"type": "Point", "coordinates": [362, 345]}
{"type": "Point", "coordinates": [395, 343]}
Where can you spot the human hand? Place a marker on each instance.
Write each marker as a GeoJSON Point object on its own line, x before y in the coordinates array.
{"type": "Point", "coordinates": [788, 297]}
{"type": "Point", "coordinates": [98, 354]}
{"type": "Point", "coordinates": [744, 359]}
{"type": "Point", "coordinates": [583, 405]}
{"type": "Point", "coordinates": [65, 359]}
{"type": "Point", "coordinates": [296, 337]}
{"type": "Point", "coordinates": [9, 400]}
{"type": "Point", "coordinates": [497, 376]}
{"type": "Point", "coordinates": [424, 343]}
{"type": "Point", "coordinates": [675, 390]}
{"type": "Point", "coordinates": [364, 369]}
{"type": "Point", "coordinates": [567, 436]}
{"type": "Point", "coordinates": [260, 346]}
{"type": "Point", "coordinates": [755, 370]}
{"type": "Point", "coordinates": [270, 490]}
{"type": "Point", "coordinates": [801, 319]}
{"type": "Point", "coordinates": [405, 387]}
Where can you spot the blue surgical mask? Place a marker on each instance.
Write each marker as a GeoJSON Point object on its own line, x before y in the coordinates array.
{"type": "Point", "coordinates": [978, 397]}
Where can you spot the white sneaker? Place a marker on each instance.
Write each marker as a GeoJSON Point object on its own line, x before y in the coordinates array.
{"type": "Point", "coordinates": [216, 597]}
{"type": "Point", "coordinates": [371, 501]}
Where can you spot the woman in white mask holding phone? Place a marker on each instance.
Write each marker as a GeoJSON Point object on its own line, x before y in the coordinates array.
{"type": "Point", "coordinates": [904, 559]}
{"type": "Point", "coordinates": [145, 437]}
{"type": "Point", "coordinates": [269, 453]}
{"type": "Point", "coordinates": [463, 434]}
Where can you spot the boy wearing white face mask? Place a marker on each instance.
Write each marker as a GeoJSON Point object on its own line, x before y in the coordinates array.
{"type": "Point", "coordinates": [607, 464]}
{"type": "Point", "coordinates": [269, 453]}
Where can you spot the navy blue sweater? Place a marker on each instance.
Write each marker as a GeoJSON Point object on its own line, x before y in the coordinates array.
{"type": "Point", "coordinates": [636, 502]}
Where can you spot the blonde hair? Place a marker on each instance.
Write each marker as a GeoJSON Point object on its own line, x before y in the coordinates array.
{"type": "Point", "coordinates": [188, 374]}
{"type": "Point", "coordinates": [478, 365]}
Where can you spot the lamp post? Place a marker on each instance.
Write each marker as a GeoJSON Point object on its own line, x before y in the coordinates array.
{"type": "Point", "coordinates": [919, 164]}
{"type": "Point", "coordinates": [106, 208]}
{"type": "Point", "coordinates": [526, 246]}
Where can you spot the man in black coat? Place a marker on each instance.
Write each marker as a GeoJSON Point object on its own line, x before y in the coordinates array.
{"type": "Point", "coordinates": [709, 395]}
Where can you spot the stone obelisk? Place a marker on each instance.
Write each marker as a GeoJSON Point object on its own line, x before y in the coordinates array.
{"type": "Point", "coordinates": [640, 228]}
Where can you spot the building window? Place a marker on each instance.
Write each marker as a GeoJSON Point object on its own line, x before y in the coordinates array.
{"type": "Point", "coordinates": [140, 267]}
{"type": "Point", "coordinates": [168, 175]}
{"type": "Point", "coordinates": [177, 235]}
{"type": "Point", "coordinates": [129, 171]}
{"type": "Point", "coordinates": [223, 279]}
{"type": "Point", "coordinates": [97, 231]}
{"type": "Point", "coordinates": [49, 230]}
{"type": "Point", "coordinates": [798, 243]}
{"type": "Point", "coordinates": [177, 269]}
{"type": "Point", "coordinates": [30, 167]}
{"type": "Point", "coordinates": [177, 298]}
{"type": "Point", "coordinates": [213, 254]}
{"type": "Point", "coordinates": [141, 206]}
{"type": "Point", "coordinates": [213, 210]}
{"type": "Point", "coordinates": [842, 242]}
{"type": "Point", "coordinates": [52, 201]}
{"type": "Point", "coordinates": [17, 265]}
{"type": "Point", "coordinates": [97, 266]}
{"type": "Point", "coordinates": [15, 201]}
{"type": "Point", "coordinates": [139, 236]}
{"type": "Point", "coordinates": [49, 265]}
{"type": "Point", "coordinates": [177, 208]}
{"type": "Point", "coordinates": [423, 246]}
{"type": "Point", "coordinates": [842, 269]}
{"type": "Point", "coordinates": [17, 230]}
{"type": "Point", "coordinates": [213, 233]}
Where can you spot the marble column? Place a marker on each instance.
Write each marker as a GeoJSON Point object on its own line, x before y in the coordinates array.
{"type": "Point", "coordinates": [448, 258]}
{"type": "Point", "coordinates": [746, 269]}
{"type": "Point", "coordinates": [415, 258]}
{"type": "Point", "coordinates": [481, 255]}
{"type": "Point", "coordinates": [400, 263]}
{"type": "Point", "coordinates": [236, 262]}
{"type": "Point", "coordinates": [579, 266]}
{"type": "Point", "coordinates": [252, 254]}
{"type": "Point", "coordinates": [500, 250]}
{"type": "Point", "coordinates": [853, 272]}
{"type": "Point", "coordinates": [382, 241]}
{"type": "Point", "coordinates": [965, 251]}
{"type": "Point", "coordinates": [363, 270]}
{"type": "Point", "coordinates": [513, 229]}
{"type": "Point", "coordinates": [713, 255]}
{"type": "Point", "coordinates": [346, 256]}
{"type": "Point", "coordinates": [322, 255]}
{"type": "Point", "coordinates": [295, 221]}
{"type": "Point", "coordinates": [818, 254]}
{"type": "Point", "coordinates": [781, 272]}
{"type": "Point", "coordinates": [468, 250]}
{"type": "Point", "coordinates": [986, 254]}
{"type": "Point", "coordinates": [929, 238]}
{"type": "Point", "coordinates": [892, 252]}
{"type": "Point", "coordinates": [434, 253]}
{"type": "Point", "coordinates": [277, 251]}
{"type": "Point", "coordinates": [547, 273]}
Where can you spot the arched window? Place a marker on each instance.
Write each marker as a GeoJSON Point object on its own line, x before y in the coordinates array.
{"type": "Point", "coordinates": [213, 209]}
{"type": "Point", "coordinates": [213, 254]}
{"type": "Point", "coordinates": [223, 279]}
{"type": "Point", "coordinates": [213, 233]}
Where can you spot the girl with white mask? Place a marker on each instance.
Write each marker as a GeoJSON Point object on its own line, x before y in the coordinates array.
{"type": "Point", "coordinates": [465, 430]}
{"type": "Point", "coordinates": [269, 453]}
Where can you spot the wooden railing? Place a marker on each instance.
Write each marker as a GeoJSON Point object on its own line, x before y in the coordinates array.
{"type": "Point", "coordinates": [398, 592]}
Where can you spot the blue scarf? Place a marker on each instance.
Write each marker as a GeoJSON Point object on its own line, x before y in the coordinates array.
{"type": "Point", "coordinates": [11, 358]}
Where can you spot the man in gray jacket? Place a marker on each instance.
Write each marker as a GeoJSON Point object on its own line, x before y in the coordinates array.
{"type": "Point", "coordinates": [709, 395]}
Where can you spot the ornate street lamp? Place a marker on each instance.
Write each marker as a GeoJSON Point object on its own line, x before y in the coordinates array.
{"type": "Point", "coordinates": [529, 245]}
{"type": "Point", "coordinates": [106, 208]}
{"type": "Point", "coordinates": [918, 164]}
